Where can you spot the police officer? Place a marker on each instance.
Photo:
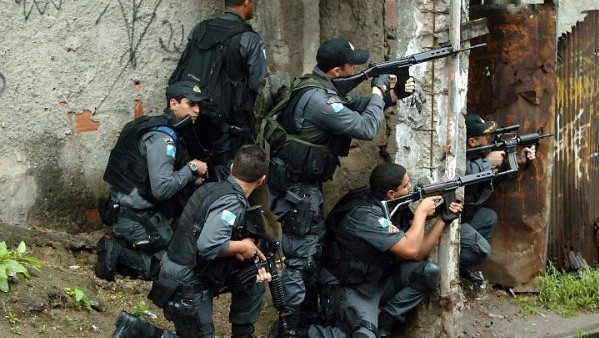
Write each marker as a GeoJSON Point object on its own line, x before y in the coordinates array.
{"type": "Point", "coordinates": [479, 223]}
{"type": "Point", "coordinates": [146, 170]}
{"type": "Point", "coordinates": [209, 254]}
{"type": "Point", "coordinates": [324, 122]}
{"type": "Point", "coordinates": [372, 263]}
{"type": "Point", "coordinates": [243, 60]}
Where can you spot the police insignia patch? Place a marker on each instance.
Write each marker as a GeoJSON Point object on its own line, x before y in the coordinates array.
{"type": "Point", "coordinates": [384, 222]}
{"type": "Point", "coordinates": [171, 150]}
{"type": "Point", "coordinates": [337, 107]}
{"type": "Point", "coordinates": [228, 217]}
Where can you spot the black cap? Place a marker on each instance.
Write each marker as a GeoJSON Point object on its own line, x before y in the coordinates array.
{"type": "Point", "coordinates": [187, 89]}
{"type": "Point", "coordinates": [476, 126]}
{"type": "Point", "coordinates": [337, 52]}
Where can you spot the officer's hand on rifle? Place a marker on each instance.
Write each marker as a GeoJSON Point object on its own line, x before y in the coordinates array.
{"type": "Point", "coordinates": [527, 154]}
{"type": "Point", "coordinates": [496, 157]}
{"type": "Point", "coordinates": [382, 83]}
{"type": "Point", "coordinates": [263, 276]}
{"type": "Point", "coordinates": [428, 205]}
{"type": "Point", "coordinates": [249, 250]}
{"type": "Point", "coordinates": [455, 210]}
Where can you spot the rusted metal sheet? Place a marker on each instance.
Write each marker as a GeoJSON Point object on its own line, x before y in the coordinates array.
{"type": "Point", "coordinates": [513, 82]}
{"type": "Point", "coordinates": [574, 227]}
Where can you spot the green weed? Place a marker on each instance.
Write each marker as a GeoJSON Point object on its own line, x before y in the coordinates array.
{"type": "Point", "coordinates": [565, 293]}
{"type": "Point", "coordinates": [139, 309]}
{"type": "Point", "coordinates": [79, 297]}
{"type": "Point", "coordinates": [15, 263]}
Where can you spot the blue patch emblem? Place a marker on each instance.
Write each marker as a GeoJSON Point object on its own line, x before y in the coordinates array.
{"type": "Point", "coordinates": [228, 217]}
{"type": "Point", "coordinates": [337, 107]}
{"type": "Point", "coordinates": [171, 150]}
{"type": "Point", "coordinates": [384, 222]}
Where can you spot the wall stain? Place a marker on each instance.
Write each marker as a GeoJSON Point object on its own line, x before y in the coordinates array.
{"type": "Point", "coordinates": [40, 5]}
{"type": "Point", "coordinates": [137, 21]}
{"type": "Point", "coordinates": [173, 44]}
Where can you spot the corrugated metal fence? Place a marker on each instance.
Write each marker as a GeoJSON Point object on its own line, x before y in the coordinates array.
{"type": "Point", "coordinates": [574, 218]}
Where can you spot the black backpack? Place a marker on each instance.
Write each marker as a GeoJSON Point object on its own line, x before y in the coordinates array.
{"type": "Point", "coordinates": [203, 62]}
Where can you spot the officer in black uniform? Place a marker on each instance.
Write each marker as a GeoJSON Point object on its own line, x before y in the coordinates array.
{"type": "Point", "coordinates": [244, 66]}
{"type": "Point", "coordinates": [373, 264]}
{"type": "Point", "coordinates": [324, 122]}
{"type": "Point", "coordinates": [146, 170]}
{"type": "Point", "coordinates": [210, 253]}
{"type": "Point", "coordinates": [479, 223]}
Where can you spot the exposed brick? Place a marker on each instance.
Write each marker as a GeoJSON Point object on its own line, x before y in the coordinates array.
{"type": "Point", "coordinates": [83, 122]}
{"type": "Point", "coordinates": [138, 108]}
{"type": "Point", "coordinates": [391, 14]}
{"type": "Point", "coordinates": [92, 216]}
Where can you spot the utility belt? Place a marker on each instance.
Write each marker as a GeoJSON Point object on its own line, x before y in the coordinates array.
{"type": "Point", "coordinates": [301, 219]}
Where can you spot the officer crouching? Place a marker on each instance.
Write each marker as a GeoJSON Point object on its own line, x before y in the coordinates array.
{"type": "Point", "coordinates": [148, 174]}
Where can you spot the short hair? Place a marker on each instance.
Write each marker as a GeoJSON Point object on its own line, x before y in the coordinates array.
{"type": "Point", "coordinates": [233, 3]}
{"type": "Point", "coordinates": [385, 177]}
{"type": "Point", "coordinates": [250, 163]}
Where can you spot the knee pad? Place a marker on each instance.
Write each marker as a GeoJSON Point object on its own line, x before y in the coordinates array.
{"type": "Point", "coordinates": [430, 276]}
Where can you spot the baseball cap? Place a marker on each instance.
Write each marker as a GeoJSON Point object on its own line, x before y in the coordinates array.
{"type": "Point", "coordinates": [187, 89]}
{"type": "Point", "coordinates": [337, 52]}
{"type": "Point", "coordinates": [476, 126]}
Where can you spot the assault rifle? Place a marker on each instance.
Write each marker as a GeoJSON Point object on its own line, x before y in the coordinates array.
{"type": "Point", "coordinates": [508, 143]}
{"type": "Point", "coordinates": [446, 189]}
{"type": "Point", "coordinates": [499, 132]}
{"type": "Point", "coordinates": [269, 245]}
{"type": "Point", "coordinates": [396, 67]}
{"type": "Point", "coordinates": [194, 148]}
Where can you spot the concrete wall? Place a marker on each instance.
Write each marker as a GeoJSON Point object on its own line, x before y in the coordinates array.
{"type": "Point", "coordinates": [73, 73]}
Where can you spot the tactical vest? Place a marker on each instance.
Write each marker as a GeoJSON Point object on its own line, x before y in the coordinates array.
{"type": "Point", "coordinates": [183, 249]}
{"type": "Point", "coordinates": [127, 168]}
{"type": "Point", "coordinates": [306, 161]}
{"type": "Point", "coordinates": [351, 259]}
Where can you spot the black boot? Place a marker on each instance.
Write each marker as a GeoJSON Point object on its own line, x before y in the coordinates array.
{"type": "Point", "coordinates": [108, 251]}
{"type": "Point", "coordinates": [386, 322]}
{"type": "Point", "coordinates": [129, 326]}
{"type": "Point", "coordinates": [242, 330]}
{"type": "Point", "coordinates": [472, 277]}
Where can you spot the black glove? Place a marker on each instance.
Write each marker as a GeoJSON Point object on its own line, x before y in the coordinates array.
{"type": "Point", "coordinates": [382, 82]}
{"type": "Point", "coordinates": [449, 217]}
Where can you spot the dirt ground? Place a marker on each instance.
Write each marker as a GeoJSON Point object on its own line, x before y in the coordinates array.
{"type": "Point", "coordinates": [38, 307]}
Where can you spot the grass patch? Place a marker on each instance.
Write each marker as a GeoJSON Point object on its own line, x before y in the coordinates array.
{"type": "Point", "coordinates": [564, 293]}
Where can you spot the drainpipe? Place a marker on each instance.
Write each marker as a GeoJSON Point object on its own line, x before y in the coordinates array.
{"type": "Point", "coordinates": [449, 243]}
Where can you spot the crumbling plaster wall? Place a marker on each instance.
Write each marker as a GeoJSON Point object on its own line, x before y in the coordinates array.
{"type": "Point", "coordinates": [73, 73]}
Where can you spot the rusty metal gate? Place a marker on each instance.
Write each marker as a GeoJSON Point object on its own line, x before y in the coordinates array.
{"type": "Point", "coordinates": [513, 82]}
{"type": "Point", "coordinates": [574, 220]}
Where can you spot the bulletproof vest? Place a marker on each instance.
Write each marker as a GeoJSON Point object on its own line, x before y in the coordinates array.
{"type": "Point", "coordinates": [308, 161]}
{"type": "Point", "coordinates": [127, 168]}
{"type": "Point", "coordinates": [182, 248]}
{"type": "Point", "coordinates": [351, 259]}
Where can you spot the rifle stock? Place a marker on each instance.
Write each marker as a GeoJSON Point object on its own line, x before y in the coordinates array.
{"type": "Point", "coordinates": [396, 67]}
{"type": "Point", "coordinates": [446, 189]}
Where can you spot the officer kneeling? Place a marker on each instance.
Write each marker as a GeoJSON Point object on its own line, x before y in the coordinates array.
{"type": "Point", "coordinates": [210, 254]}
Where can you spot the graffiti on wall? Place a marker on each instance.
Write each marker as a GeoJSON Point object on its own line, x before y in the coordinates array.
{"type": "Point", "coordinates": [2, 84]}
{"type": "Point", "coordinates": [137, 17]}
{"type": "Point", "coordinates": [175, 42]}
{"type": "Point", "coordinates": [41, 6]}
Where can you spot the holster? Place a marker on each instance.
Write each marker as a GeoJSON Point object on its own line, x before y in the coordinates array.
{"type": "Point", "coordinates": [162, 290]}
{"type": "Point", "coordinates": [108, 210]}
{"type": "Point", "coordinates": [300, 218]}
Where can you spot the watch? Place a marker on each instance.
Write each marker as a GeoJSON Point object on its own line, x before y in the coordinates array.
{"type": "Point", "coordinates": [193, 167]}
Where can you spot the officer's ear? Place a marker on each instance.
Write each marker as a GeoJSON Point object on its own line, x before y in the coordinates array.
{"type": "Point", "coordinates": [390, 195]}
{"type": "Point", "coordinates": [471, 141]}
{"type": "Point", "coordinates": [261, 180]}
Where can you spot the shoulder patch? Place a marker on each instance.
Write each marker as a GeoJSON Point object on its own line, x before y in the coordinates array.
{"type": "Point", "coordinates": [384, 223]}
{"type": "Point", "coordinates": [171, 150]}
{"type": "Point", "coordinates": [228, 217]}
{"type": "Point", "coordinates": [337, 107]}
{"type": "Point", "coordinates": [264, 53]}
